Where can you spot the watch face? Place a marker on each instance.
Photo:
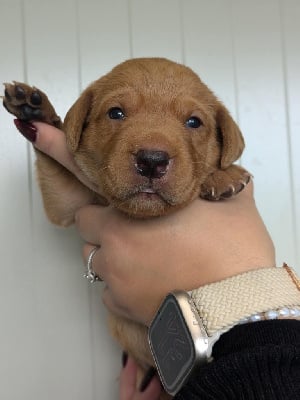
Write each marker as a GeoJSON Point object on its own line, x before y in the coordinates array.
{"type": "Point", "coordinates": [172, 345]}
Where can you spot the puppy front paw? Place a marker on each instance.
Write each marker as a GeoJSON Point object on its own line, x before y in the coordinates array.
{"type": "Point", "coordinates": [223, 184]}
{"type": "Point", "coordinates": [29, 104]}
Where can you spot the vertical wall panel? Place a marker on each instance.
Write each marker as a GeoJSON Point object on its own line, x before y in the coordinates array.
{"type": "Point", "coordinates": [156, 28]}
{"type": "Point", "coordinates": [208, 46]}
{"type": "Point", "coordinates": [291, 46]}
{"type": "Point", "coordinates": [17, 300]}
{"type": "Point", "coordinates": [104, 37]}
{"type": "Point", "coordinates": [258, 54]}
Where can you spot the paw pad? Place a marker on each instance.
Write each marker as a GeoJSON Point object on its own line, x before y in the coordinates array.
{"type": "Point", "coordinates": [20, 93]}
{"type": "Point", "coordinates": [29, 104]}
{"type": "Point", "coordinates": [36, 98]}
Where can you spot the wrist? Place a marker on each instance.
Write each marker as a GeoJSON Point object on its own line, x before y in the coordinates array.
{"type": "Point", "coordinates": [185, 328]}
{"type": "Point", "coordinates": [231, 300]}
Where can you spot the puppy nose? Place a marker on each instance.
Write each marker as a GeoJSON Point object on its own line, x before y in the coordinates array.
{"type": "Point", "coordinates": [152, 163]}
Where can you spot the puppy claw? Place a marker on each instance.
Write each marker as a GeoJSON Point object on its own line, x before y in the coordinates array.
{"type": "Point", "coordinates": [235, 189]}
{"type": "Point", "coordinates": [213, 195]}
{"type": "Point", "coordinates": [244, 183]}
{"type": "Point", "coordinates": [232, 190]}
{"type": "Point", "coordinates": [210, 195]}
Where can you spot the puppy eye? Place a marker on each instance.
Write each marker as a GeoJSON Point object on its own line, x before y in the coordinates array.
{"type": "Point", "coordinates": [193, 122]}
{"type": "Point", "coordinates": [116, 113]}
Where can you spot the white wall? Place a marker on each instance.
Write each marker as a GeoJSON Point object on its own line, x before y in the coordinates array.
{"type": "Point", "coordinates": [53, 339]}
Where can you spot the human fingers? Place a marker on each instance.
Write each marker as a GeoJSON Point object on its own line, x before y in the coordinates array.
{"type": "Point", "coordinates": [128, 384]}
{"type": "Point", "coordinates": [235, 223]}
{"type": "Point", "coordinates": [91, 220]}
{"type": "Point", "coordinates": [98, 261]}
{"type": "Point", "coordinates": [124, 281]}
{"type": "Point", "coordinates": [141, 261]}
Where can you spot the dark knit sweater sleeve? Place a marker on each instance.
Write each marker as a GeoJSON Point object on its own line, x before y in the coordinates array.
{"type": "Point", "coordinates": [257, 361]}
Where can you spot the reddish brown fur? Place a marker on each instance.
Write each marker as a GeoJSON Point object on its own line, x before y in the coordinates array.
{"type": "Point", "coordinates": [157, 96]}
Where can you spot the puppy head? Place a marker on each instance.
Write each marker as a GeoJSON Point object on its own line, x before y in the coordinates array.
{"type": "Point", "coordinates": [148, 134]}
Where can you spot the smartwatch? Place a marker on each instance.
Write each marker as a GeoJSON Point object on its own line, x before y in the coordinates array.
{"type": "Point", "coordinates": [178, 341]}
{"type": "Point", "coordinates": [188, 324]}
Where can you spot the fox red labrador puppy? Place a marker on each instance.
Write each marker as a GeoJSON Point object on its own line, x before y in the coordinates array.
{"type": "Point", "coordinates": [151, 136]}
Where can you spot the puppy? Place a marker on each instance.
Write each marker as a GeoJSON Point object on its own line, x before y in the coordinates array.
{"type": "Point", "coordinates": [151, 137]}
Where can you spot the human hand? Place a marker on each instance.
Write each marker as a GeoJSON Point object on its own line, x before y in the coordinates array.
{"type": "Point", "coordinates": [142, 260]}
{"type": "Point", "coordinates": [128, 384]}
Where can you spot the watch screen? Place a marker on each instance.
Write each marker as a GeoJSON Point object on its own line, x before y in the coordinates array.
{"type": "Point", "coordinates": [172, 345]}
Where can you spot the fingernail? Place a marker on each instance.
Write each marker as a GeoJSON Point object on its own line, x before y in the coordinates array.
{"type": "Point", "coordinates": [124, 359]}
{"type": "Point", "coordinates": [27, 129]}
{"type": "Point", "coordinates": [147, 379]}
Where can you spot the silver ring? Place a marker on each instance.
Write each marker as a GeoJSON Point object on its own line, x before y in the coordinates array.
{"type": "Point", "coordinates": [90, 275]}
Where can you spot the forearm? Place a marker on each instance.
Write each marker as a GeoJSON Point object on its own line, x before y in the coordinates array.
{"type": "Point", "coordinates": [252, 361]}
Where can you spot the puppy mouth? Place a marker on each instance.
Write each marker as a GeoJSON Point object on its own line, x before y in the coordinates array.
{"type": "Point", "coordinates": [148, 190]}
{"type": "Point", "coordinates": [149, 193]}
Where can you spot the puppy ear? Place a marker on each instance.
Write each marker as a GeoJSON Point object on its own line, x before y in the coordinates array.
{"type": "Point", "coordinates": [231, 137]}
{"type": "Point", "coordinates": [77, 119]}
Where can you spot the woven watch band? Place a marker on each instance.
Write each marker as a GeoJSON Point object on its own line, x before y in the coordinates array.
{"type": "Point", "coordinates": [224, 304]}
